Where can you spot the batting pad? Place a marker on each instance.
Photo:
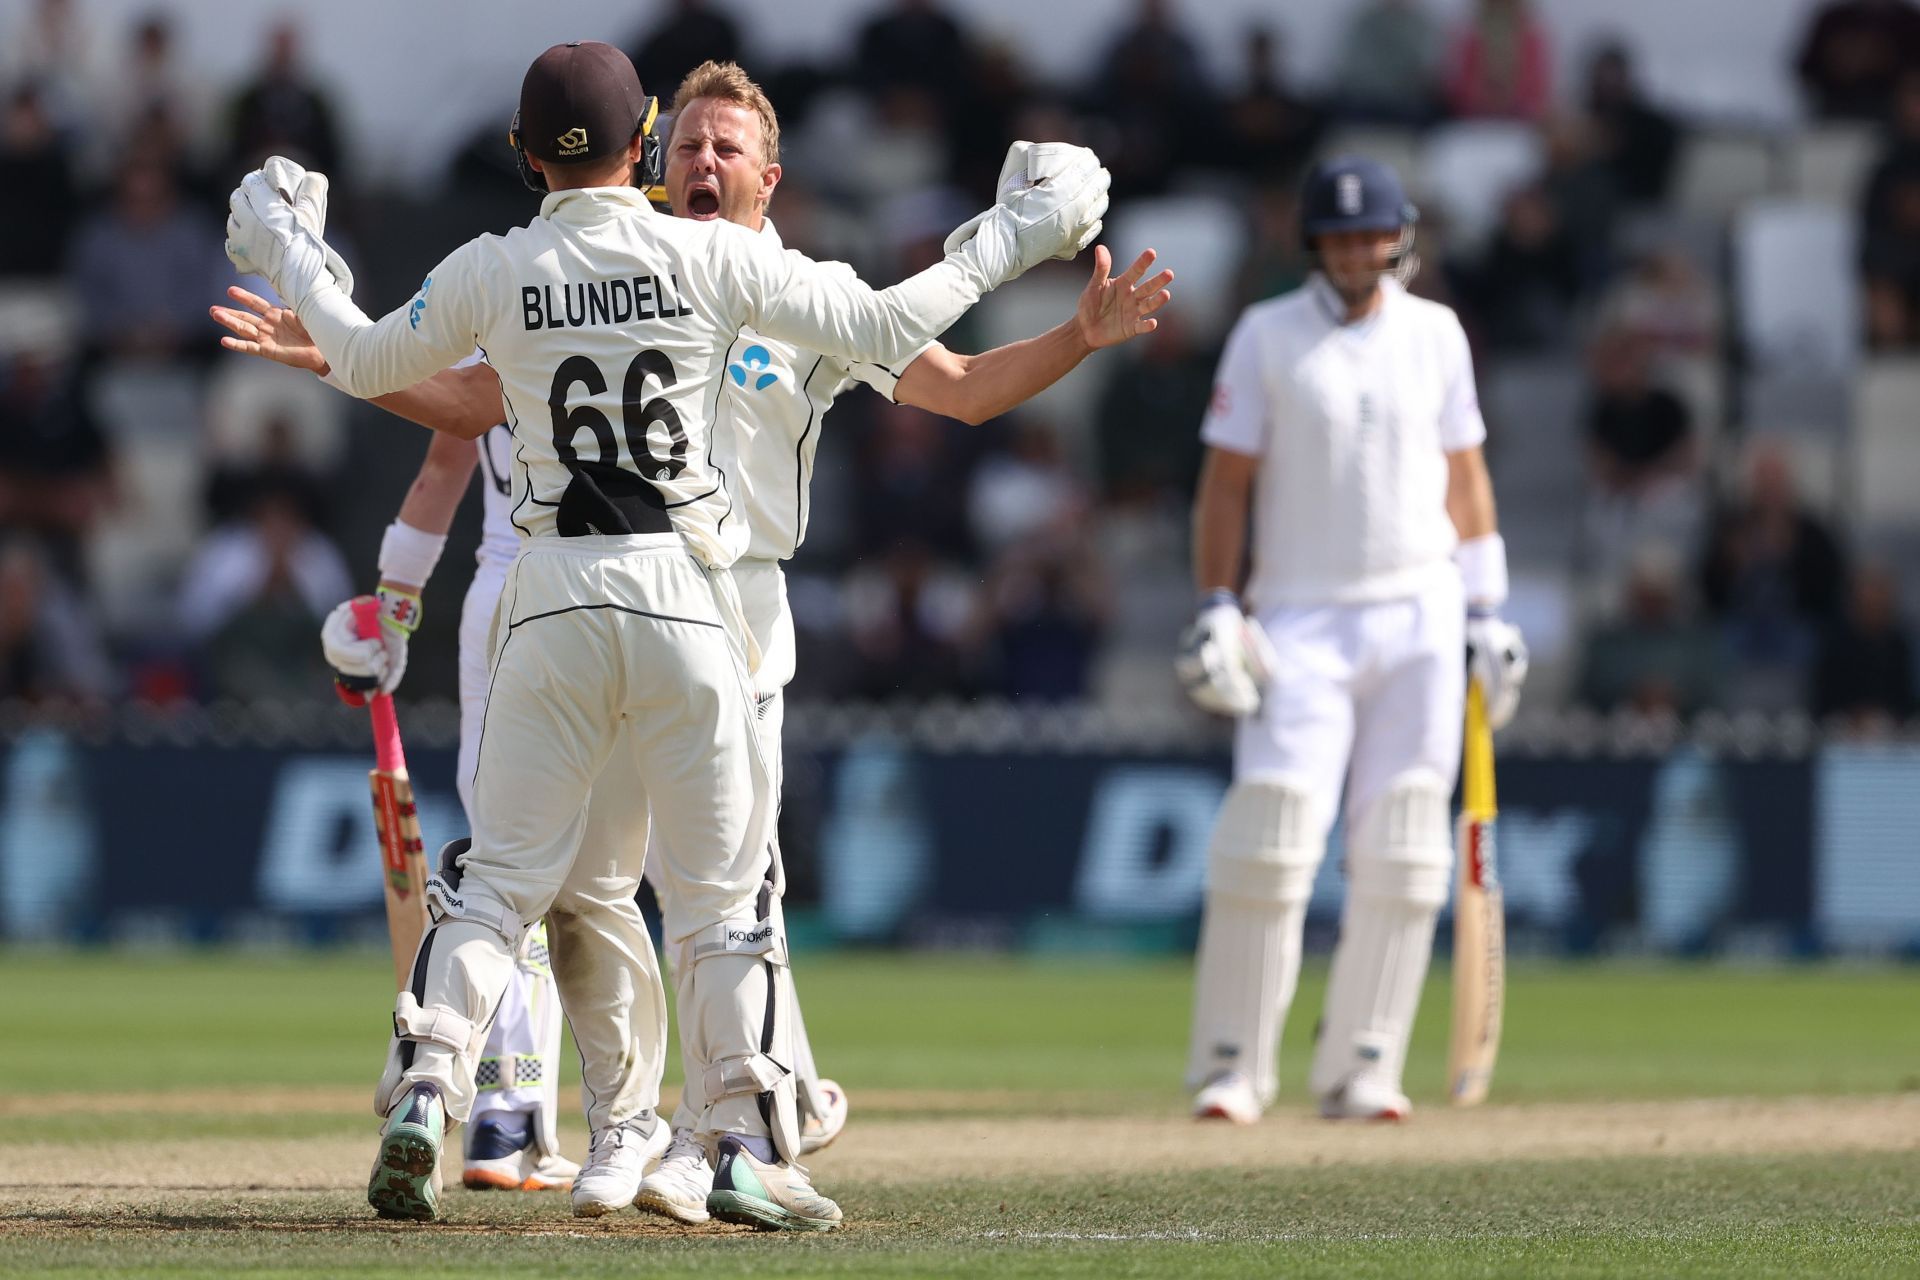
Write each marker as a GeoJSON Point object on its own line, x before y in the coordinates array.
{"type": "Point", "coordinates": [440, 1022]}
{"type": "Point", "coordinates": [1397, 878]}
{"type": "Point", "coordinates": [1260, 867]}
{"type": "Point", "coordinates": [737, 1024]}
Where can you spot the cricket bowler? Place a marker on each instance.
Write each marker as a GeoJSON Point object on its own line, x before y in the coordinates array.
{"type": "Point", "coordinates": [619, 634]}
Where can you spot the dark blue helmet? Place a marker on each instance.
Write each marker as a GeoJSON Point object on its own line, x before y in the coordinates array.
{"type": "Point", "coordinates": [1353, 193]}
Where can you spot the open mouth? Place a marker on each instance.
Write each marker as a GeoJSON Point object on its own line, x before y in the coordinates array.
{"type": "Point", "coordinates": [703, 202]}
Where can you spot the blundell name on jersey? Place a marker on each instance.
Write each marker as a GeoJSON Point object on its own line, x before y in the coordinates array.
{"type": "Point", "coordinates": [574, 306]}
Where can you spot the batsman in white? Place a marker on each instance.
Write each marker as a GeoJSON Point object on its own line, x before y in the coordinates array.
{"type": "Point", "coordinates": [631, 644]}
{"type": "Point", "coordinates": [1344, 421]}
{"type": "Point", "coordinates": [722, 160]}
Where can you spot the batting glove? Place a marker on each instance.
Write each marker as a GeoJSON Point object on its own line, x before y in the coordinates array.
{"type": "Point", "coordinates": [1052, 199]}
{"type": "Point", "coordinates": [1497, 658]}
{"type": "Point", "coordinates": [1225, 659]}
{"type": "Point", "coordinates": [265, 237]}
{"type": "Point", "coordinates": [365, 666]}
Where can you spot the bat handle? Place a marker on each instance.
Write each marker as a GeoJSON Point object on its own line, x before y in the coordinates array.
{"type": "Point", "coordinates": [388, 757]}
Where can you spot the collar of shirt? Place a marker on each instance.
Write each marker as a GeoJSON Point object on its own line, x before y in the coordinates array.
{"type": "Point", "coordinates": [582, 202]}
{"type": "Point", "coordinates": [766, 229]}
{"type": "Point", "coordinates": [1334, 307]}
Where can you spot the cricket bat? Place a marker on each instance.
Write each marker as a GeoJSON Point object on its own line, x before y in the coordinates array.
{"type": "Point", "coordinates": [403, 858]}
{"type": "Point", "coordinates": [1479, 920]}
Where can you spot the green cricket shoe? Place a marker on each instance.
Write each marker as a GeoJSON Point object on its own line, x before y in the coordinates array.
{"type": "Point", "coordinates": [766, 1197]}
{"type": "Point", "coordinates": [405, 1182]}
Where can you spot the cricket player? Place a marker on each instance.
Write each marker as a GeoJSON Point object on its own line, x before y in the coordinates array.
{"type": "Point", "coordinates": [619, 633]}
{"type": "Point", "coordinates": [1344, 422]}
{"type": "Point", "coordinates": [722, 161]}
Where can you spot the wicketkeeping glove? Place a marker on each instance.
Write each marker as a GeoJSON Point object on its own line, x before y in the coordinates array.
{"type": "Point", "coordinates": [269, 233]}
{"type": "Point", "coordinates": [1225, 659]}
{"type": "Point", "coordinates": [1052, 199]}
{"type": "Point", "coordinates": [362, 667]}
{"type": "Point", "coordinates": [1497, 658]}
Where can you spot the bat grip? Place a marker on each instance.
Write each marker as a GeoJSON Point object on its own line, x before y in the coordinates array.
{"type": "Point", "coordinates": [388, 757]}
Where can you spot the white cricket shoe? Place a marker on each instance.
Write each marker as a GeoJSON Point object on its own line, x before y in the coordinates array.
{"type": "Point", "coordinates": [617, 1158]}
{"type": "Point", "coordinates": [1227, 1095]}
{"type": "Point", "coordinates": [1364, 1098]}
{"type": "Point", "coordinates": [679, 1185]}
{"type": "Point", "coordinates": [819, 1131]}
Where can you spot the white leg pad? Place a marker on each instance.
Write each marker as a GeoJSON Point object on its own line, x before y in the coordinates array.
{"type": "Point", "coordinates": [737, 1028]}
{"type": "Point", "coordinates": [1398, 869]}
{"type": "Point", "coordinates": [440, 1022]}
{"type": "Point", "coordinates": [1267, 844]}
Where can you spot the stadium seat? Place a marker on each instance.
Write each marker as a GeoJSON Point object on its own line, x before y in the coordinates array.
{"type": "Point", "coordinates": [37, 315]}
{"type": "Point", "coordinates": [1797, 403]}
{"type": "Point", "coordinates": [1468, 168]}
{"type": "Point", "coordinates": [1697, 381]}
{"type": "Point", "coordinates": [1830, 162]}
{"type": "Point", "coordinates": [1884, 471]}
{"type": "Point", "coordinates": [1202, 237]}
{"type": "Point", "coordinates": [1035, 303]}
{"type": "Point", "coordinates": [1796, 288]}
{"type": "Point", "coordinates": [245, 396]}
{"type": "Point", "coordinates": [1719, 172]}
{"type": "Point", "coordinates": [1536, 455]}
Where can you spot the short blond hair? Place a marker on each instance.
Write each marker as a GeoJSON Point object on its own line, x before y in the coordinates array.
{"type": "Point", "coordinates": [729, 82]}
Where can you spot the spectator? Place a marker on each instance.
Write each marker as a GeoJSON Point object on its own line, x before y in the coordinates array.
{"type": "Point", "coordinates": [282, 112]}
{"type": "Point", "coordinates": [1389, 64]}
{"type": "Point", "coordinates": [254, 593]}
{"type": "Point", "coordinates": [1047, 605]}
{"type": "Point", "coordinates": [1636, 141]}
{"type": "Point", "coordinates": [1523, 292]}
{"type": "Point", "coordinates": [1153, 90]}
{"type": "Point", "coordinates": [1865, 669]}
{"type": "Point", "coordinates": [1773, 579]}
{"type": "Point", "coordinates": [278, 466]}
{"type": "Point", "coordinates": [39, 199]}
{"type": "Point", "coordinates": [1652, 660]}
{"type": "Point", "coordinates": [49, 650]}
{"type": "Point", "coordinates": [50, 48]}
{"type": "Point", "coordinates": [1584, 197]}
{"type": "Point", "coordinates": [910, 619]}
{"type": "Point", "coordinates": [150, 84]}
{"type": "Point", "coordinates": [916, 45]}
{"type": "Point", "coordinates": [55, 472]}
{"type": "Point", "coordinates": [694, 33]}
{"type": "Point", "coordinates": [144, 269]}
{"type": "Point", "coordinates": [1277, 260]}
{"type": "Point", "coordinates": [1852, 54]}
{"type": "Point", "coordinates": [1271, 130]}
{"type": "Point", "coordinates": [1501, 66]}
{"type": "Point", "coordinates": [1638, 434]}
{"type": "Point", "coordinates": [913, 487]}
{"type": "Point", "coordinates": [1890, 251]}
{"type": "Point", "coordinates": [1664, 302]}
{"type": "Point", "coordinates": [1148, 416]}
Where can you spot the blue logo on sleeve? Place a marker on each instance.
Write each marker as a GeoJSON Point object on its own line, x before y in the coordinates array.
{"type": "Point", "coordinates": [754, 361]}
{"type": "Point", "coordinates": [419, 303]}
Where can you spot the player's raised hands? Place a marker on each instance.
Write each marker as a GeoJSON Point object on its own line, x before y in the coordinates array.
{"type": "Point", "coordinates": [268, 331]}
{"type": "Point", "coordinates": [1114, 309]}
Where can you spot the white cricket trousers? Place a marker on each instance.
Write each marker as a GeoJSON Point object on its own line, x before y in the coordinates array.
{"type": "Point", "coordinates": [622, 655]}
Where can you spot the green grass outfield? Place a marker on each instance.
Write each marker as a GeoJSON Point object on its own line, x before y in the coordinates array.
{"type": "Point", "coordinates": [123, 1160]}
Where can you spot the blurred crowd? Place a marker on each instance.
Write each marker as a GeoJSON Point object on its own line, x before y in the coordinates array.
{"type": "Point", "coordinates": [1674, 421]}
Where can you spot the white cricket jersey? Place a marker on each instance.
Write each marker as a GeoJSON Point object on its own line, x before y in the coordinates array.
{"type": "Point", "coordinates": [1352, 425]}
{"type": "Point", "coordinates": [610, 327]}
{"type": "Point", "coordinates": [774, 399]}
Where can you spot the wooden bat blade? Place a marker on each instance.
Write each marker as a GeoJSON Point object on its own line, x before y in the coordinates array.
{"type": "Point", "coordinates": [1479, 920]}
{"type": "Point", "coordinates": [403, 867]}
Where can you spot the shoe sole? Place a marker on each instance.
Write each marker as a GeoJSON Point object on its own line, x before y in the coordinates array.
{"type": "Point", "coordinates": [492, 1180]}
{"type": "Point", "coordinates": [652, 1202]}
{"type": "Point", "coordinates": [761, 1215]}
{"type": "Point", "coordinates": [402, 1184]}
{"type": "Point", "coordinates": [1221, 1113]}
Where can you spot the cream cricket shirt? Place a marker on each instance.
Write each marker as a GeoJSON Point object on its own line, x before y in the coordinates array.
{"type": "Point", "coordinates": [1352, 425]}
{"type": "Point", "coordinates": [611, 326]}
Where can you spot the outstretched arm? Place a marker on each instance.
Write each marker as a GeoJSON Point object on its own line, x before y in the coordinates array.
{"type": "Point", "coordinates": [975, 389]}
{"type": "Point", "coordinates": [462, 401]}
